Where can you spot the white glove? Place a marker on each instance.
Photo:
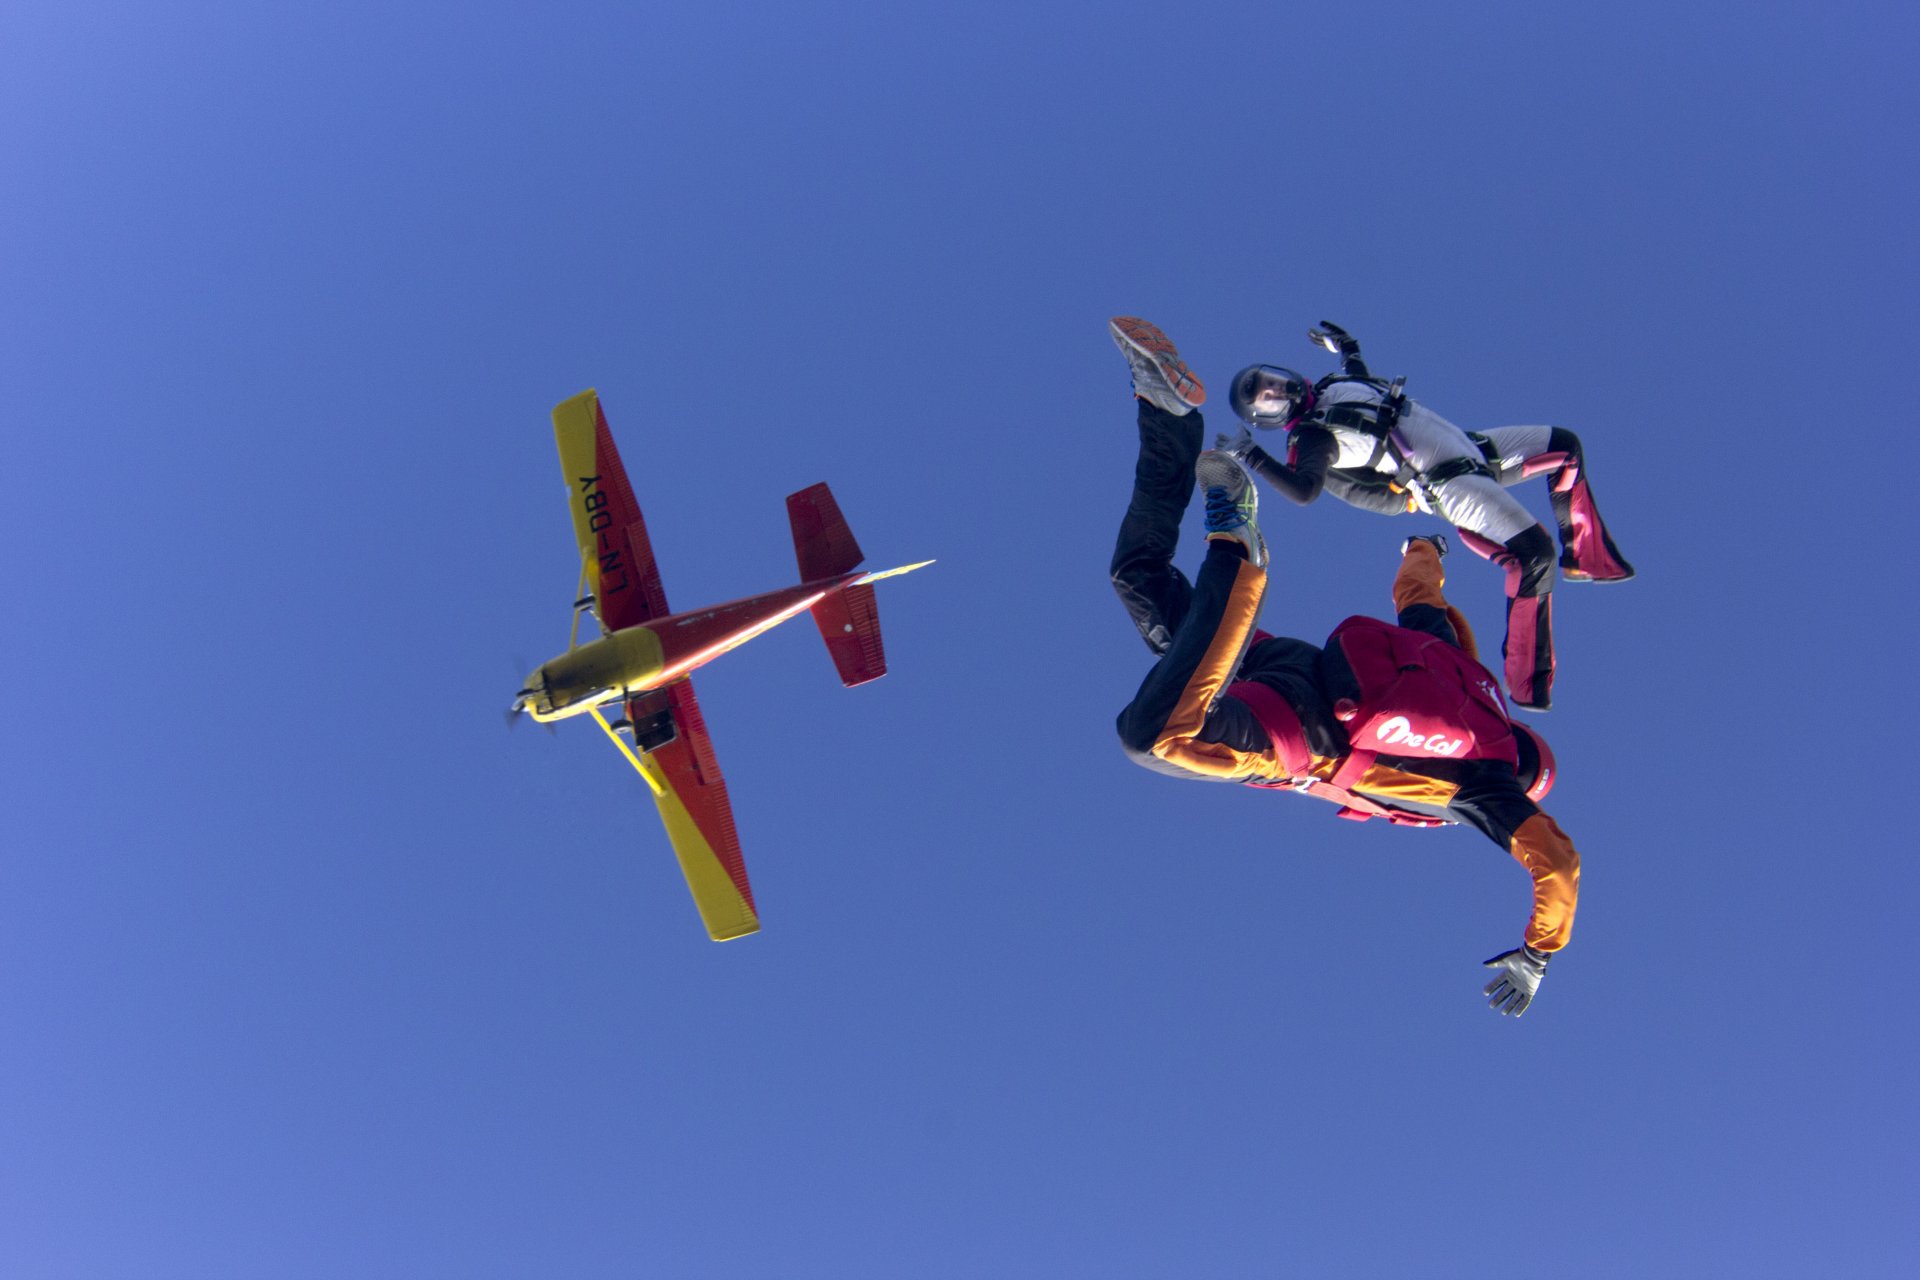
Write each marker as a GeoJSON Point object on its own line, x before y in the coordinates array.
{"type": "Point", "coordinates": [1520, 974]}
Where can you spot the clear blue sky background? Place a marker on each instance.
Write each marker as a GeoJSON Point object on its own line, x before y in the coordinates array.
{"type": "Point", "coordinates": [308, 968]}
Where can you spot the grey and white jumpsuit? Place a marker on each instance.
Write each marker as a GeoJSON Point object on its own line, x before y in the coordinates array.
{"type": "Point", "coordinates": [1442, 470]}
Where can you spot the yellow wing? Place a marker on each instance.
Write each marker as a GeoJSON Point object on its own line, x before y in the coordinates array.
{"type": "Point", "coordinates": [614, 548]}
{"type": "Point", "coordinates": [692, 798]}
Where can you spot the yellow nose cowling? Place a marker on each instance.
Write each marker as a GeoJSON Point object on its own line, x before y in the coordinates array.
{"type": "Point", "coordinates": [625, 662]}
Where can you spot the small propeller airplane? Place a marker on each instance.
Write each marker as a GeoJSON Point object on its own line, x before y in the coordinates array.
{"type": "Point", "coordinates": [645, 653]}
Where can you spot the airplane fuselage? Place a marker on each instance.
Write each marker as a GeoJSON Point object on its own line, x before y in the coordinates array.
{"type": "Point", "coordinates": [635, 659]}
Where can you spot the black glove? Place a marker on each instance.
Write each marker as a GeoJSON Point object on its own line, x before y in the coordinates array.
{"type": "Point", "coordinates": [1520, 974]}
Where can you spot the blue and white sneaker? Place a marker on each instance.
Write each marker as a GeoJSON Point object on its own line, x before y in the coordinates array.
{"type": "Point", "coordinates": [1160, 376]}
{"type": "Point", "coordinates": [1232, 506]}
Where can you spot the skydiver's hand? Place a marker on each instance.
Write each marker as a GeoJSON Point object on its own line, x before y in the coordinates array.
{"type": "Point", "coordinates": [1519, 977]}
{"type": "Point", "coordinates": [1240, 444]}
{"type": "Point", "coordinates": [1333, 338]}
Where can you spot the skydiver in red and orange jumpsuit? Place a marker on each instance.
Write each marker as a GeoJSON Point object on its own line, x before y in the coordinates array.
{"type": "Point", "coordinates": [1225, 702]}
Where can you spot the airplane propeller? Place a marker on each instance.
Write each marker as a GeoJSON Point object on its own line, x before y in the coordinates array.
{"type": "Point", "coordinates": [518, 710]}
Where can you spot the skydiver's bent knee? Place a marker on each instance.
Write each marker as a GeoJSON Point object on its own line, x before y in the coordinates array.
{"type": "Point", "coordinates": [1137, 735]}
{"type": "Point", "coordinates": [1561, 440]}
{"type": "Point", "coordinates": [1532, 549]}
{"type": "Point", "coordinates": [1138, 738]}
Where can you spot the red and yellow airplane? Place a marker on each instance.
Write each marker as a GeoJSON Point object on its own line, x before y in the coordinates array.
{"type": "Point", "coordinates": [645, 652]}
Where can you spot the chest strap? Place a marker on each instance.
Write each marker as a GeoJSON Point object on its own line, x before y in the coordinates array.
{"type": "Point", "coordinates": [1376, 420]}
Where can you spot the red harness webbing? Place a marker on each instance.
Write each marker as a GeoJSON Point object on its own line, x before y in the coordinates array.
{"type": "Point", "coordinates": [1277, 716]}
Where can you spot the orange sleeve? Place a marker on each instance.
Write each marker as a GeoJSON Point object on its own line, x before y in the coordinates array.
{"type": "Point", "coordinates": [1420, 578]}
{"type": "Point", "coordinates": [1550, 858]}
{"type": "Point", "coordinates": [1419, 581]}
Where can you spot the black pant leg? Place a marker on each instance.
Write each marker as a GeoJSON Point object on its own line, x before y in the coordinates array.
{"type": "Point", "coordinates": [1228, 721]}
{"type": "Point", "coordinates": [1156, 594]}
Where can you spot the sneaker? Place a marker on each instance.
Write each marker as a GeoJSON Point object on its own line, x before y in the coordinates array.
{"type": "Point", "coordinates": [1160, 376]}
{"type": "Point", "coordinates": [1231, 502]}
{"type": "Point", "coordinates": [1438, 541]}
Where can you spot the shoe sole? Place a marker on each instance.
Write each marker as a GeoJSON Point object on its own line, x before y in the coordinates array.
{"type": "Point", "coordinates": [1214, 471]}
{"type": "Point", "coordinates": [1145, 337]}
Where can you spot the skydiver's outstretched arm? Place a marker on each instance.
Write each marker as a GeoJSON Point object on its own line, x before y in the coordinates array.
{"type": "Point", "coordinates": [1310, 454]}
{"type": "Point", "coordinates": [1379, 497]}
{"type": "Point", "coordinates": [1491, 799]}
{"type": "Point", "coordinates": [1490, 796]}
{"type": "Point", "coordinates": [1311, 472]}
{"type": "Point", "coordinates": [1418, 601]}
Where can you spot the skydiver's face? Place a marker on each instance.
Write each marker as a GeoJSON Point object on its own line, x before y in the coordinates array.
{"type": "Point", "coordinates": [1272, 397]}
{"type": "Point", "coordinates": [1272, 402]}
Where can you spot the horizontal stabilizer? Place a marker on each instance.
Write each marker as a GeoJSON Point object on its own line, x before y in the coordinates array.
{"type": "Point", "coordinates": [849, 622]}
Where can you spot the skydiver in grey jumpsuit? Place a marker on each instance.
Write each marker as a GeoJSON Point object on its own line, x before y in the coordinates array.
{"type": "Point", "coordinates": [1372, 447]}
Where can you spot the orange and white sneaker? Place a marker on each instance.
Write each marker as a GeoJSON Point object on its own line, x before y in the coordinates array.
{"type": "Point", "coordinates": [1160, 376]}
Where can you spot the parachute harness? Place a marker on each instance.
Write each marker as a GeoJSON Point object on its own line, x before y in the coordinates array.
{"type": "Point", "coordinates": [1379, 421]}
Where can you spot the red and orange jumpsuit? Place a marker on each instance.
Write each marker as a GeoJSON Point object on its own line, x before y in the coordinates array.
{"type": "Point", "coordinates": [1185, 721]}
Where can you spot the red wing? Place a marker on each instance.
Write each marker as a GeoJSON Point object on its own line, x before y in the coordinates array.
{"type": "Point", "coordinates": [606, 518]}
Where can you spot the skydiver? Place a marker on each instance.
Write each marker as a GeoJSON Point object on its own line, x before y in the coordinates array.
{"type": "Point", "coordinates": [1421, 739]}
{"type": "Point", "coordinates": [1362, 439]}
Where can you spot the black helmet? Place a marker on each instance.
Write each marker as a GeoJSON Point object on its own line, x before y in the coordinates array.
{"type": "Point", "coordinates": [1537, 771]}
{"type": "Point", "coordinates": [1268, 396]}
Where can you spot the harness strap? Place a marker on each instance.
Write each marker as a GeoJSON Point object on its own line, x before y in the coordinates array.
{"type": "Point", "coordinates": [1454, 468]}
{"type": "Point", "coordinates": [1376, 420]}
{"type": "Point", "coordinates": [1353, 806]}
{"type": "Point", "coordinates": [1282, 723]}
{"type": "Point", "coordinates": [1357, 808]}
{"type": "Point", "coordinates": [1356, 763]}
{"type": "Point", "coordinates": [1364, 418]}
{"type": "Point", "coordinates": [1369, 420]}
{"type": "Point", "coordinates": [1538, 465]}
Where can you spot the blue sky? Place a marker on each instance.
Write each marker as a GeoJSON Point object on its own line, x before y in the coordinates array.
{"type": "Point", "coordinates": [308, 968]}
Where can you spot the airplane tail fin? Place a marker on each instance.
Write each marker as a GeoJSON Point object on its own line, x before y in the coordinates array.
{"type": "Point", "coordinates": [822, 542]}
{"type": "Point", "coordinates": [849, 619]}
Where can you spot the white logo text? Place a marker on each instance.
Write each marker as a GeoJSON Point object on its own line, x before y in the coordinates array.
{"type": "Point", "coordinates": [1398, 732]}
